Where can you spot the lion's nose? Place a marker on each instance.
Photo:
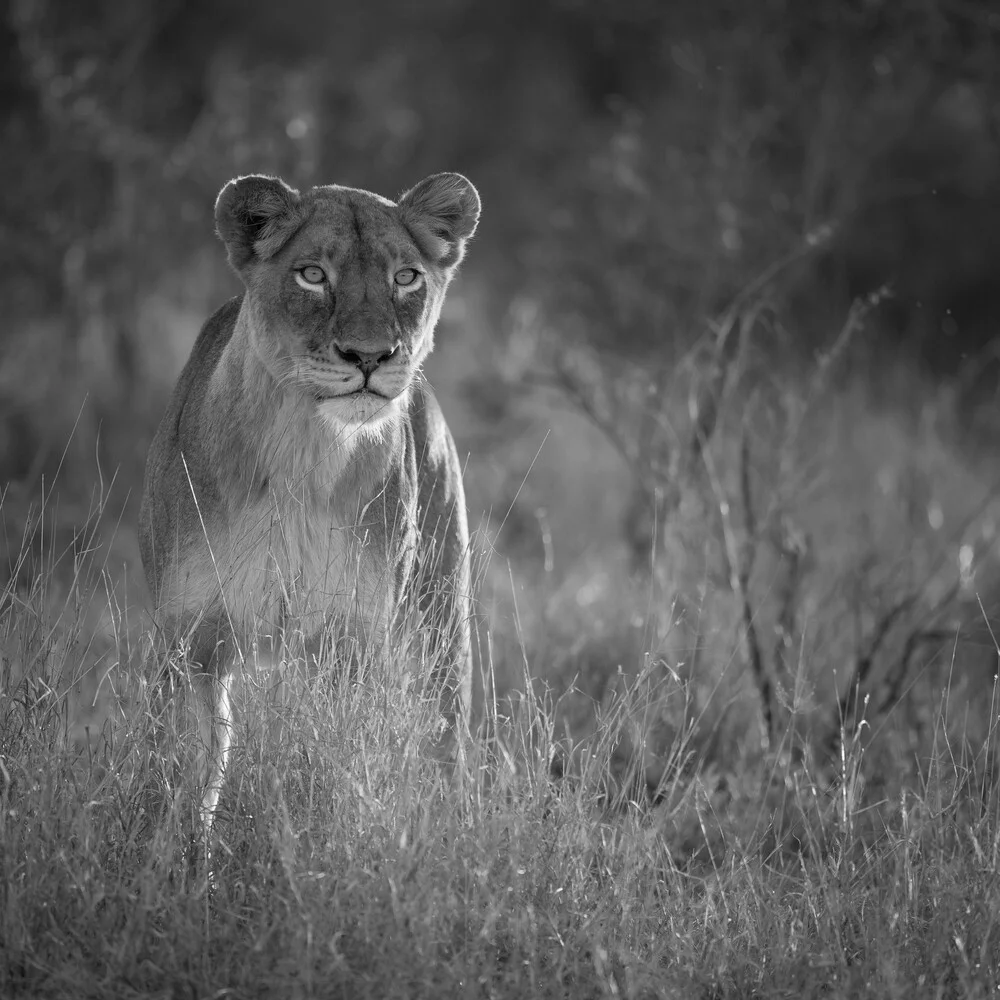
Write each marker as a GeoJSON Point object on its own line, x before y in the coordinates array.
{"type": "Point", "coordinates": [367, 361]}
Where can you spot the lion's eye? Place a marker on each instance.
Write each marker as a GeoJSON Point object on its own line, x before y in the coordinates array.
{"type": "Point", "coordinates": [407, 276]}
{"type": "Point", "coordinates": [313, 275]}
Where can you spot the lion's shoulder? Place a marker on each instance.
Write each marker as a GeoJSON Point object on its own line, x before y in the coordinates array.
{"type": "Point", "coordinates": [211, 342]}
{"type": "Point", "coordinates": [217, 330]}
{"type": "Point", "coordinates": [204, 358]}
{"type": "Point", "coordinates": [435, 447]}
{"type": "Point", "coordinates": [438, 466]}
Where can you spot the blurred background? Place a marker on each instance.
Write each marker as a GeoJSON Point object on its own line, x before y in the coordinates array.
{"type": "Point", "coordinates": [722, 356]}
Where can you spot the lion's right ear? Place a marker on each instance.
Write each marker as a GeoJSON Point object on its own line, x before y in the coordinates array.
{"type": "Point", "coordinates": [256, 216]}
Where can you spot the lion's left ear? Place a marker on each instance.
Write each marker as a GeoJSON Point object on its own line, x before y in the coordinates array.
{"type": "Point", "coordinates": [442, 212]}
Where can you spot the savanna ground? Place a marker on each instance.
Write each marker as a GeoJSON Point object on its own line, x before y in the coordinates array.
{"type": "Point", "coordinates": [731, 457]}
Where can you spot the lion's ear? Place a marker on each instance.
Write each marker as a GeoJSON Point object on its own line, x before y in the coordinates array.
{"type": "Point", "coordinates": [255, 216]}
{"type": "Point", "coordinates": [442, 212]}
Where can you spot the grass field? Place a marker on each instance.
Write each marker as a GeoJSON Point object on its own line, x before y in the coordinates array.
{"type": "Point", "coordinates": [621, 828]}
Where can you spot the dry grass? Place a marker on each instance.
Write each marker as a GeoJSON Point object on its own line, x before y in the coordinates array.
{"type": "Point", "coordinates": [673, 856]}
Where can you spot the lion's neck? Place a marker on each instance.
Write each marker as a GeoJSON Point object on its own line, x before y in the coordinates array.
{"type": "Point", "coordinates": [270, 437]}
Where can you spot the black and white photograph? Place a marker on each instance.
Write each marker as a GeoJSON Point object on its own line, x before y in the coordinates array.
{"type": "Point", "coordinates": [500, 500]}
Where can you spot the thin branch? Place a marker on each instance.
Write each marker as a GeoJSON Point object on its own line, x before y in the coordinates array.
{"type": "Point", "coordinates": [793, 547]}
{"type": "Point", "coordinates": [865, 659]}
{"type": "Point", "coordinates": [563, 381]}
{"type": "Point", "coordinates": [813, 242]}
{"type": "Point", "coordinates": [898, 677]}
{"type": "Point", "coordinates": [739, 565]}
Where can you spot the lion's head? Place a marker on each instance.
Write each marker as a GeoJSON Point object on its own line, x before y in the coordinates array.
{"type": "Point", "coordinates": [344, 287]}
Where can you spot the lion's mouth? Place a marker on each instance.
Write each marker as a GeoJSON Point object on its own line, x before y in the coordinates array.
{"type": "Point", "coordinates": [367, 393]}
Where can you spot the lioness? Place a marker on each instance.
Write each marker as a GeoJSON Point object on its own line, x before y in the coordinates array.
{"type": "Point", "coordinates": [303, 480]}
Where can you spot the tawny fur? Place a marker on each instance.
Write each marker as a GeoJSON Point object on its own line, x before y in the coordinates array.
{"type": "Point", "coordinates": [303, 480]}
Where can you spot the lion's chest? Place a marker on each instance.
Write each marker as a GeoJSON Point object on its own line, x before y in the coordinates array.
{"type": "Point", "coordinates": [283, 563]}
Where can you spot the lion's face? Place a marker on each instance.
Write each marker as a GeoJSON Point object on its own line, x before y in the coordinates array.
{"type": "Point", "coordinates": [345, 287]}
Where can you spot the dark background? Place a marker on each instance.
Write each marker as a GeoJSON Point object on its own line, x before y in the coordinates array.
{"type": "Point", "coordinates": [639, 162]}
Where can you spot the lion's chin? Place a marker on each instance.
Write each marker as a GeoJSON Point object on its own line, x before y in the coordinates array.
{"type": "Point", "coordinates": [365, 413]}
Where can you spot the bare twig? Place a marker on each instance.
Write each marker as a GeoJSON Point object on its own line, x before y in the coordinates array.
{"type": "Point", "coordinates": [740, 562]}
{"type": "Point", "coordinates": [565, 382]}
{"type": "Point", "coordinates": [704, 407]}
{"type": "Point", "coordinates": [897, 678]}
{"type": "Point", "coordinates": [793, 547]}
{"type": "Point", "coordinates": [754, 654]}
{"type": "Point", "coordinates": [813, 242]}
{"type": "Point", "coordinates": [856, 316]}
{"type": "Point", "coordinates": [865, 659]}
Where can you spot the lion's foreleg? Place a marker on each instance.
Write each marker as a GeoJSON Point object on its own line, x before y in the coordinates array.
{"type": "Point", "coordinates": [211, 697]}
